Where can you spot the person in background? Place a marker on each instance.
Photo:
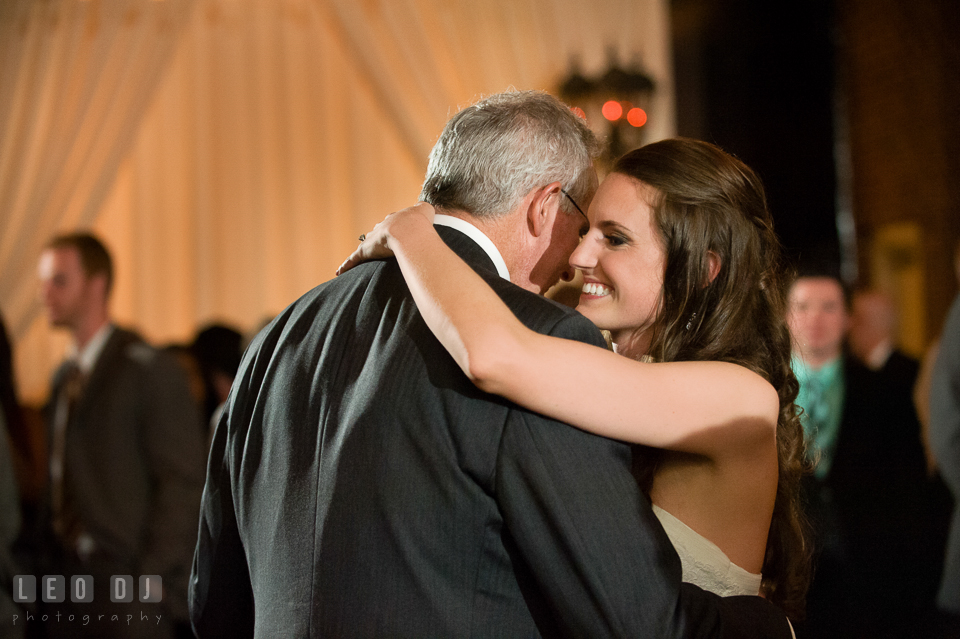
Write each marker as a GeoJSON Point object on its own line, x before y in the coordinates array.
{"type": "Point", "coordinates": [945, 443]}
{"type": "Point", "coordinates": [921, 391]}
{"type": "Point", "coordinates": [872, 333]}
{"type": "Point", "coordinates": [911, 531]}
{"type": "Point", "coordinates": [817, 316]}
{"type": "Point", "coordinates": [818, 319]}
{"type": "Point", "coordinates": [10, 507]}
{"type": "Point", "coordinates": [126, 454]}
{"type": "Point", "coordinates": [183, 354]}
{"type": "Point", "coordinates": [217, 349]}
{"type": "Point", "coordinates": [869, 492]}
{"type": "Point", "coordinates": [28, 447]}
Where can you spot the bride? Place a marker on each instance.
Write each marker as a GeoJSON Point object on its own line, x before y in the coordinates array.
{"type": "Point", "coordinates": [682, 267]}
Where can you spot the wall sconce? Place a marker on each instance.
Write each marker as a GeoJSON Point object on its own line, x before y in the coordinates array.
{"type": "Point", "coordinates": [615, 104]}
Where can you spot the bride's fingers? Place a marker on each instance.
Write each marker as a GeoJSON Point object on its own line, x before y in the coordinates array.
{"type": "Point", "coordinates": [348, 264]}
{"type": "Point", "coordinates": [354, 258]}
{"type": "Point", "coordinates": [372, 247]}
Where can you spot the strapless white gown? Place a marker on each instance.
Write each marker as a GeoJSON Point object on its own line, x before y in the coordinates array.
{"type": "Point", "coordinates": [704, 564]}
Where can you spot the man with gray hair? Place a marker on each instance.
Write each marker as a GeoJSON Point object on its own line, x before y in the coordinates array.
{"type": "Point", "coordinates": [359, 485]}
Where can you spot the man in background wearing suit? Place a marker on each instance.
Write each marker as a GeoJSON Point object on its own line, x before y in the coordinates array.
{"type": "Point", "coordinates": [126, 455]}
{"type": "Point", "coordinates": [361, 486]}
{"type": "Point", "coordinates": [818, 319]}
{"type": "Point", "coordinates": [867, 499]}
{"type": "Point", "coordinates": [887, 498]}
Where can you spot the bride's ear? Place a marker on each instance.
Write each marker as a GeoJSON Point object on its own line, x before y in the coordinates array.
{"type": "Point", "coordinates": [543, 208]}
{"type": "Point", "coordinates": [713, 267]}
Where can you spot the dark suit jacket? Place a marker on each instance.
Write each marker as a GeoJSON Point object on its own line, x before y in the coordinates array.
{"type": "Point", "coordinates": [879, 443]}
{"type": "Point", "coordinates": [880, 493]}
{"type": "Point", "coordinates": [360, 486]}
{"type": "Point", "coordinates": [134, 462]}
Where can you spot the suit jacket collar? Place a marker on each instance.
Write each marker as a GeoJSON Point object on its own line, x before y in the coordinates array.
{"type": "Point", "coordinates": [468, 250]}
{"type": "Point", "coordinates": [477, 236]}
{"type": "Point", "coordinates": [103, 369]}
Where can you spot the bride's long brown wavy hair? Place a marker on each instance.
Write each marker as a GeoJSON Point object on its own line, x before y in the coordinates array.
{"type": "Point", "coordinates": [708, 201]}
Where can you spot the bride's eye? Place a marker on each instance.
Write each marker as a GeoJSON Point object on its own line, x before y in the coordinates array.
{"type": "Point", "coordinates": [615, 240]}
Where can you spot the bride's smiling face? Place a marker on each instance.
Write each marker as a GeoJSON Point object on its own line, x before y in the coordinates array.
{"type": "Point", "coordinates": [622, 261]}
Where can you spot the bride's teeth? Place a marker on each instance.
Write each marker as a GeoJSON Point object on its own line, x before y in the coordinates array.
{"type": "Point", "coordinates": [595, 289]}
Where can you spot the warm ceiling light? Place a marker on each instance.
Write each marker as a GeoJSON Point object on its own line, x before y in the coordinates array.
{"type": "Point", "coordinates": [637, 117]}
{"type": "Point", "coordinates": [616, 102]}
{"type": "Point", "coordinates": [612, 110]}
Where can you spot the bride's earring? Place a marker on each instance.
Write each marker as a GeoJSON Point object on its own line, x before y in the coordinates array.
{"type": "Point", "coordinates": [690, 321]}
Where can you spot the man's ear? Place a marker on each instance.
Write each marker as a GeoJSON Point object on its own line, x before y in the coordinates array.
{"type": "Point", "coordinates": [542, 208]}
{"type": "Point", "coordinates": [713, 267]}
{"type": "Point", "coordinates": [97, 284]}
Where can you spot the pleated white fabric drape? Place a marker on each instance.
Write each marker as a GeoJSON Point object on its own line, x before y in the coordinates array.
{"type": "Point", "coordinates": [229, 152]}
{"type": "Point", "coordinates": [75, 81]}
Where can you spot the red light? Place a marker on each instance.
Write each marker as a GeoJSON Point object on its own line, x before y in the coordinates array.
{"type": "Point", "coordinates": [612, 110]}
{"type": "Point", "coordinates": [637, 117]}
{"type": "Point", "coordinates": [577, 111]}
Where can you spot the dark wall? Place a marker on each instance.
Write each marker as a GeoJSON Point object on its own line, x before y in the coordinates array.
{"type": "Point", "coordinates": [764, 80]}
{"type": "Point", "coordinates": [901, 61]}
{"type": "Point", "coordinates": [756, 78]}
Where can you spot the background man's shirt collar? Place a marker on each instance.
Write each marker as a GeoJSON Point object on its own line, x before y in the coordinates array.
{"type": "Point", "coordinates": [877, 358]}
{"type": "Point", "coordinates": [87, 358]}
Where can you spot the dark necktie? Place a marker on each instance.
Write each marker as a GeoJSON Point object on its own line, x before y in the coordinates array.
{"type": "Point", "coordinates": [66, 524]}
{"type": "Point", "coordinates": [817, 410]}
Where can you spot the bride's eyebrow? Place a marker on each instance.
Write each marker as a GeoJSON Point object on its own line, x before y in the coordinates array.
{"type": "Point", "coordinates": [609, 225]}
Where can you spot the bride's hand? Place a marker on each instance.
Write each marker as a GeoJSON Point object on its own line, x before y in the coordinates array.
{"type": "Point", "coordinates": [375, 245]}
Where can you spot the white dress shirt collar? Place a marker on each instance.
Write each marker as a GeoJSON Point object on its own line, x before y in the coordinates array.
{"type": "Point", "coordinates": [477, 236]}
{"type": "Point", "coordinates": [877, 358]}
{"type": "Point", "coordinates": [87, 357]}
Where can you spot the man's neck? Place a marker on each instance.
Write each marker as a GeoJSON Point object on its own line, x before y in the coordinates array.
{"type": "Point", "coordinates": [816, 361]}
{"type": "Point", "coordinates": [84, 332]}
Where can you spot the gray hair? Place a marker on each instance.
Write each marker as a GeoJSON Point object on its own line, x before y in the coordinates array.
{"type": "Point", "coordinates": [493, 153]}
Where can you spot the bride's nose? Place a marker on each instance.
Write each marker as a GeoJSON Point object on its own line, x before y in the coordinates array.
{"type": "Point", "coordinates": [583, 257]}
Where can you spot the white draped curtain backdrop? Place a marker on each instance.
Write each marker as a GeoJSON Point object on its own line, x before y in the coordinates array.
{"type": "Point", "coordinates": [229, 152]}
